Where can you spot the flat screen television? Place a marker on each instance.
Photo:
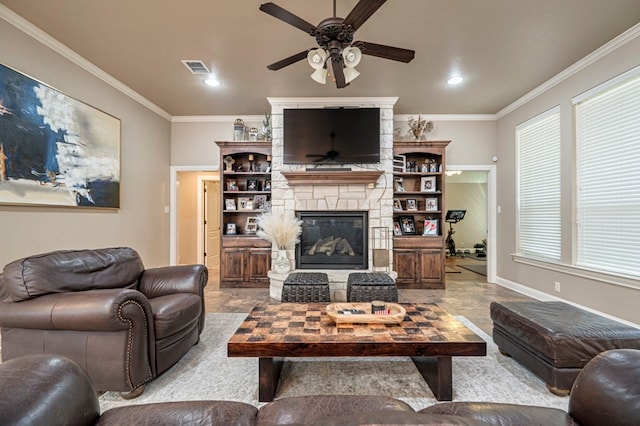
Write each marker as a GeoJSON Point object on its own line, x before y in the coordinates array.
{"type": "Point", "coordinates": [332, 136]}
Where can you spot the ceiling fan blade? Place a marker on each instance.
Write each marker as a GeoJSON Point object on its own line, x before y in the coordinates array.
{"type": "Point", "coordinates": [288, 61]}
{"type": "Point", "coordinates": [288, 17]}
{"type": "Point", "coordinates": [338, 72]}
{"type": "Point", "coordinates": [362, 11]}
{"type": "Point", "coordinates": [386, 52]}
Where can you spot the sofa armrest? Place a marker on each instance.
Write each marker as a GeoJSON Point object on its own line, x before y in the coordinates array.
{"type": "Point", "coordinates": [46, 389]}
{"type": "Point", "coordinates": [181, 413]}
{"type": "Point", "coordinates": [92, 310]}
{"type": "Point", "coordinates": [503, 414]}
{"type": "Point", "coordinates": [167, 280]}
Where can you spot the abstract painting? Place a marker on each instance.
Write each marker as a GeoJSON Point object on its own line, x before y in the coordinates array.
{"type": "Point", "coordinates": [55, 150]}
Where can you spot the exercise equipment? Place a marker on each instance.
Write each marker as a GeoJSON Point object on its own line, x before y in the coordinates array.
{"type": "Point", "coordinates": [453, 216]}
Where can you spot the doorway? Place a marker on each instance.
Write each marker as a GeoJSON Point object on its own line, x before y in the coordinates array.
{"type": "Point", "coordinates": [195, 218]}
{"type": "Point", "coordinates": [473, 188]}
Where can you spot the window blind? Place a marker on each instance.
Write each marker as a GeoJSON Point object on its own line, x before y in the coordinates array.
{"type": "Point", "coordinates": [538, 152]}
{"type": "Point", "coordinates": [608, 178]}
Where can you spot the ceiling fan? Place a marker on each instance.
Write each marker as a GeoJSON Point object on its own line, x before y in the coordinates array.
{"type": "Point", "coordinates": [335, 36]}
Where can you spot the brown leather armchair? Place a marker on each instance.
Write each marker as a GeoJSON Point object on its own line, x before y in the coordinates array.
{"type": "Point", "coordinates": [123, 324]}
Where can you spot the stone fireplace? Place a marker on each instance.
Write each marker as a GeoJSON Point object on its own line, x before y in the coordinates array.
{"type": "Point", "coordinates": [366, 188]}
{"type": "Point", "coordinates": [333, 240]}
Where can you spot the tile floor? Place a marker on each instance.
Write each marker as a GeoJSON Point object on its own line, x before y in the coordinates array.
{"type": "Point", "coordinates": [467, 294]}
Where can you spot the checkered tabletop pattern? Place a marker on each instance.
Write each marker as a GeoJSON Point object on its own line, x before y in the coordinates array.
{"type": "Point", "coordinates": [309, 323]}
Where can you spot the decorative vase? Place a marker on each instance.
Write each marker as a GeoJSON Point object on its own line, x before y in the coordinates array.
{"type": "Point", "coordinates": [282, 265]}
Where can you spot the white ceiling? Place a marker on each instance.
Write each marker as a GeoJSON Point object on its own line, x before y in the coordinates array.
{"type": "Point", "coordinates": [505, 48]}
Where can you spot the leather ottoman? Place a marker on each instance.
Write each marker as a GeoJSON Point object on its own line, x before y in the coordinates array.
{"type": "Point", "coordinates": [555, 340]}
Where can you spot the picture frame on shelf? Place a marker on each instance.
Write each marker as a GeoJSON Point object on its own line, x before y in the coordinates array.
{"type": "Point", "coordinates": [253, 185]}
{"type": "Point", "coordinates": [398, 184]}
{"type": "Point", "coordinates": [396, 229]}
{"type": "Point", "coordinates": [399, 163]}
{"type": "Point", "coordinates": [229, 204]}
{"type": "Point", "coordinates": [397, 205]}
{"type": "Point", "coordinates": [430, 227]}
{"type": "Point", "coordinates": [230, 229]}
{"type": "Point", "coordinates": [245, 203]}
{"type": "Point", "coordinates": [267, 185]}
{"type": "Point", "coordinates": [259, 201]}
{"type": "Point", "coordinates": [232, 185]}
{"type": "Point", "coordinates": [407, 225]}
{"type": "Point", "coordinates": [428, 184]}
{"type": "Point", "coordinates": [251, 226]}
{"type": "Point", "coordinates": [431, 204]}
{"type": "Point", "coordinates": [412, 204]}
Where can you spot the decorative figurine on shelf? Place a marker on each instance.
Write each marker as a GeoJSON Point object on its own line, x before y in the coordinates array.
{"type": "Point", "coordinates": [266, 127]}
{"type": "Point", "coordinates": [253, 134]}
{"type": "Point", "coordinates": [228, 164]}
{"type": "Point", "coordinates": [238, 130]}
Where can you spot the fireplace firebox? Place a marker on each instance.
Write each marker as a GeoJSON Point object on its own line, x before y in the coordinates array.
{"type": "Point", "coordinates": [333, 240]}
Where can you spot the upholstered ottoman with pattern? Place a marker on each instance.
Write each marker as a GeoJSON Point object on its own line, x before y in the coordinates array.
{"type": "Point", "coordinates": [555, 340]}
{"type": "Point", "coordinates": [370, 286]}
{"type": "Point", "coordinates": [306, 287]}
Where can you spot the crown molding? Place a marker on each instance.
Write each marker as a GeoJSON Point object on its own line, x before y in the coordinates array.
{"type": "Point", "coordinates": [447, 117]}
{"type": "Point", "coordinates": [624, 38]}
{"type": "Point", "coordinates": [31, 30]}
{"type": "Point", "coordinates": [214, 118]}
{"type": "Point", "coordinates": [337, 101]}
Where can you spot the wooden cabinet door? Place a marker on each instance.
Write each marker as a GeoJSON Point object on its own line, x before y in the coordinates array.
{"type": "Point", "coordinates": [431, 268]}
{"type": "Point", "coordinates": [404, 263]}
{"type": "Point", "coordinates": [258, 263]}
{"type": "Point", "coordinates": [232, 267]}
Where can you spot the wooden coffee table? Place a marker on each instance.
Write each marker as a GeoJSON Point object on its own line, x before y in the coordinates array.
{"type": "Point", "coordinates": [428, 334]}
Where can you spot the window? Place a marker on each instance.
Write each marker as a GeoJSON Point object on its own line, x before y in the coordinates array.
{"type": "Point", "coordinates": [538, 145]}
{"type": "Point", "coordinates": [608, 176]}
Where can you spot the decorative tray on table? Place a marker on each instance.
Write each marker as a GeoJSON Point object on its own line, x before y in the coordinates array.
{"type": "Point", "coordinates": [362, 313]}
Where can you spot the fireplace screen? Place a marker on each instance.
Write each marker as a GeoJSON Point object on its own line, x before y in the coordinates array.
{"type": "Point", "coordinates": [332, 240]}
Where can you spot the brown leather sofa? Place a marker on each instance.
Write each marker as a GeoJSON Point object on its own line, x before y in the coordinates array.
{"type": "Point", "coordinates": [53, 390]}
{"type": "Point", "coordinates": [122, 323]}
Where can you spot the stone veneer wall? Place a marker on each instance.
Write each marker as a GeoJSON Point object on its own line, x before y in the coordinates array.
{"type": "Point", "coordinates": [377, 200]}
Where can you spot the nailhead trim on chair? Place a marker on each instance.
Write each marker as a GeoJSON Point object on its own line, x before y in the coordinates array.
{"type": "Point", "coordinates": [130, 344]}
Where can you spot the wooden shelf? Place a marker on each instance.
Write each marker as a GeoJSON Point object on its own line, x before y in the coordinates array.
{"type": "Point", "coordinates": [332, 177]}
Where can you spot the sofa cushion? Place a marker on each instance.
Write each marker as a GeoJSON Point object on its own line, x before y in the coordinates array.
{"type": "Point", "coordinates": [174, 312]}
{"type": "Point", "coordinates": [400, 418]}
{"type": "Point", "coordinates": [502, 414]}
{"type": "Point", "coordinates": [72, 270]}
{"type": "Point", "coordinates": [307, 409]}
{"type": "Point", "coordinates": [181, 413]}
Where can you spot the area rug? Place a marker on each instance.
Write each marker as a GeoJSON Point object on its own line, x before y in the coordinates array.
{"type": "Point", "coordinates": [206, 372]}
{"type": "Point", "coordinates": [478, 269]}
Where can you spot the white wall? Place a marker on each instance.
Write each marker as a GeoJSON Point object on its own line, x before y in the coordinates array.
{"type": "Point", "coordinates": [141, 221]}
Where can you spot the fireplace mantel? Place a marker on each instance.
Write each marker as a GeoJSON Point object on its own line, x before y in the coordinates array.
{"type": "Point", "coordinates": [332, 177]}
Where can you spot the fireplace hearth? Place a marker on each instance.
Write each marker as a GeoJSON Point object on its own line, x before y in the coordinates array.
{"type": "Point", "coordinates": [332, 240]}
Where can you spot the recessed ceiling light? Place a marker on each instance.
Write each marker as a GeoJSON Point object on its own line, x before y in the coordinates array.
{"type": "Point", "coordinates": [455, 80]}
{"type": "Point", "coordinates": [212, 82]}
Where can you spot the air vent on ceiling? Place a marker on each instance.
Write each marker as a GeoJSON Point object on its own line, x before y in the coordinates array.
{"type": "Point", "coordinates": [196, 66]}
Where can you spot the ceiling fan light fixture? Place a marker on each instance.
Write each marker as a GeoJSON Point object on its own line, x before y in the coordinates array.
{"type": "Point", "coordinates": [320, 76]}
{"type": "Point", "coordinates": [317, 58]}
{"type": "Point", "coordinates": [350, 74]}
{"type": "Point", "coordinates": [352, 56]}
